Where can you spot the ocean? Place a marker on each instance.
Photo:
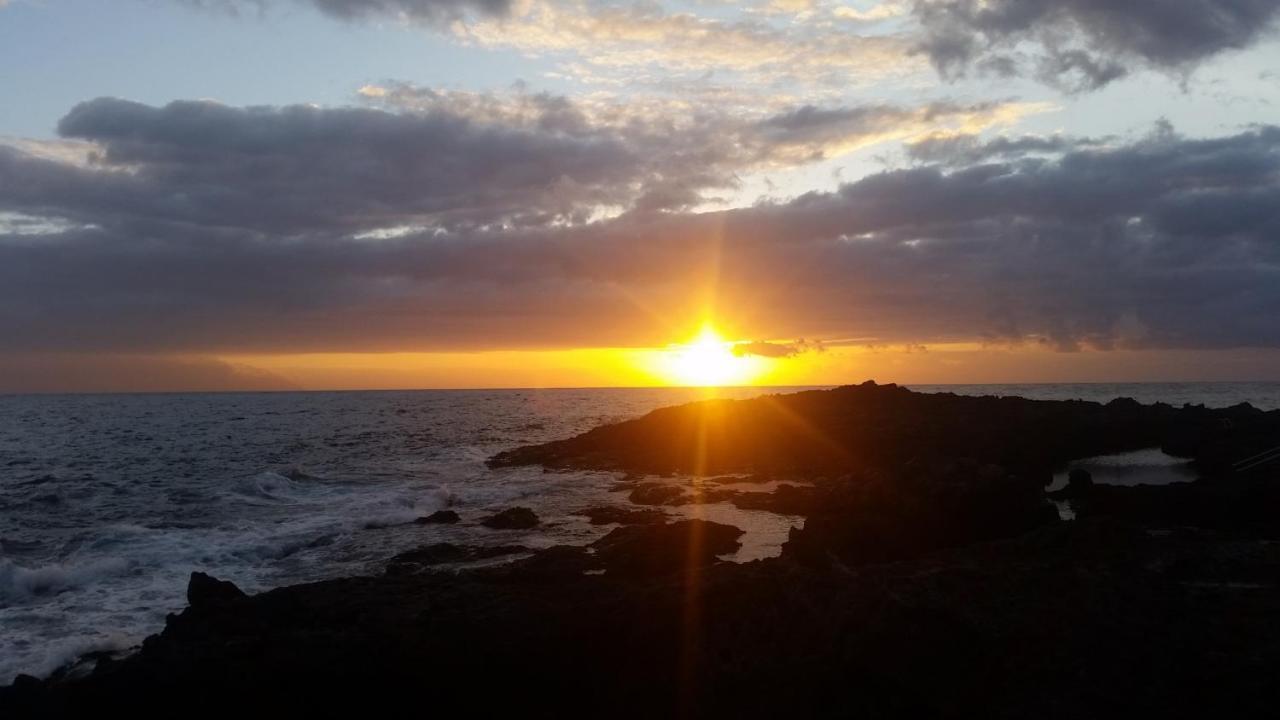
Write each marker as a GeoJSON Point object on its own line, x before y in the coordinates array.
{"type": "Point", "coordinates": [108, 502]}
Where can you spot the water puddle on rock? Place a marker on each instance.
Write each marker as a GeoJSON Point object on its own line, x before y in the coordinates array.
{"type": "Point", "coordinates": [1150, 466]}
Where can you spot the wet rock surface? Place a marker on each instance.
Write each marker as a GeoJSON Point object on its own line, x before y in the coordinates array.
{"type": "Point", "coordinates": [658, 494]}
{"type": "Point", "coordinates": [931, 578]}
{"type": "Point", "coordinates": [442, 553]}
{"type": "Point", "coordinates": [1248, 504]}
{"type": "Point", "coordinates": [516, 518]}
{"type": "Point", "coordinates": [1079, 619]}
{"type": "Point", "coordinates": [787, 499]}
{"type": "Point", "coordinates": [204, 590]}
{"type": "Point", "coordinates": [622, 516]}
{"type": "Point", "coordinates": [880, 516]}
{"type": "Point", "coordinates": [439, 517]}
{"type": "Point", "coordinates": [661, 549]}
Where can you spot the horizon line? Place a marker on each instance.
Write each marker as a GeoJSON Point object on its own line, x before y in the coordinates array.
{"type": "Point", "coordinates": [283, 391]}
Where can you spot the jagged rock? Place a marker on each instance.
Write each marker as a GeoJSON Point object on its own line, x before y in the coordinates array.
{"type": "Point", "coordinates": [880, 517]}
{"type": "Point", "coordinates": [992, 628]}
{"type": "Point", "coordinates": [870, 427]}
{"type": "Point", "coordinates": [930, 575]}
{"type": "Point", "coordinates": [622, 516]}
{"type": "Point", "coordinates": [443, 553]}
{"type": "Point", "coordinates": [26, 683]}
{"type": "Point", "coordinates": [1247, 504]}
{"type": "Point", "coordinates": [787, 499]}
{"type": "Point", "coordinates": [516, 518]}
{"type": "Point", "coordinates": [205, 590]}
{"type": "Point", "coordinates": [1079, 480]}
{"type": "Point", "coordinates": [440, 516]}
{"type": "Point", "coordinates": [658, 494]}
{"type": "Point", "coordinates": [554, 564]}
{"type": "Point", "coordinates": [660, 549]}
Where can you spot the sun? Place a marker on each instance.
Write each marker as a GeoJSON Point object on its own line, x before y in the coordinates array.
{"type": "Point", "coordinates": [709, 361]}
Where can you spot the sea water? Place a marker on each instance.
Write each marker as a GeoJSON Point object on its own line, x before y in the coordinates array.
{"type": "Point", "coordinates": [108, 502]}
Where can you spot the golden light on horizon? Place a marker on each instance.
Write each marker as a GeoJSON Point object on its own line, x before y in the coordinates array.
{"type": "Point", "coordinates": [666, 366]}
{"type": "Point", "coordinates": [708, 361]}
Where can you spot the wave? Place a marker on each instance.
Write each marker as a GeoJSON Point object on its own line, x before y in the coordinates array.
{"type": "Point", "coordinates": [271, 486]}
{"type": "Point", "coordinates": [18, 583]}
{"type": "Point", "coordinates": [63, 655]}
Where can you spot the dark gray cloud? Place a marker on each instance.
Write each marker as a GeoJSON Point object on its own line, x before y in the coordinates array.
{"type": "Point", "coordinates": [971, 149]}
{"type": "Point", "coordinates": [451, 162]}
{"type": "Point", "coordinates": [209, 229]}
{"type": "Point", "coordinates": [1080, 44]}
{"type": "Point", "coordinates": [299, 168]}
{"type": "Point", "coordinates": [811, 132]}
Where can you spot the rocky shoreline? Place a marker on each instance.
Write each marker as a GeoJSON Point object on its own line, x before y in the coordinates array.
{"type": "Point", "coordinates": [932, 577]}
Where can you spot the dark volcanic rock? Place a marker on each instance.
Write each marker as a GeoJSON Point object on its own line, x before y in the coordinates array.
{"type": "Point", "coordinates": [439, 516]}
{"type": "Point", "coordinates": [993, 630]}
{"type": "Point", "coordinates": [442, 553]}
{"type": "Point", "coordinates": [1079, 486]}
{"type": "Point", "coordinates": [622, 516]}
{"type": "Point", "coordinates": [1249, 504]}
{"type": "Point", "coordinates": [931, 579]}
{"type": "Point", "coordinates": [787, 499]}
{"type": "Point", "coordinates": [1079, 480]}
{"type": "Point", "coordinates": [869, 427]}
{"type": "Point", "coordinates": [661, 549]}
{"type": "Point", "coordinates": [658, 494]}
{"type": "Point", "coordinates": [878, 517]}
{"type": "Point", "coordinates": [516, 518]}
{"type": "Point", "coordinates": [204, 590]}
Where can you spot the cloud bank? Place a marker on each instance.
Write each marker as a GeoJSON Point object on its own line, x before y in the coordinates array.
{"type": "Point", "coordinates": [1073, 45]}
{"type": "Point", "coordinates": [198, 228]}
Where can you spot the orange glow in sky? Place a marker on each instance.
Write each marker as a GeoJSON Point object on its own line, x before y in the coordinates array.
{"type": "Point", "coordinates": [709, 361]}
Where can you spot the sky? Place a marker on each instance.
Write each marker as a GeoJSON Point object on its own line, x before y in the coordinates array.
{"type": "Point", "coordinates": [344, 194]}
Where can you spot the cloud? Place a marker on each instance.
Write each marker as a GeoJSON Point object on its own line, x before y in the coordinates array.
{"type": "Point", "coordinates": [438, 161]}
{"type": "Point", "coordinates": [969, 148]}
{"type": "Point", "coordinates": [875, 13]}
{"type": "Point", "coordinates": [776, 350]}
{"type": "Point", "coordinates": [692, 146]}
{"type": "Point", "coordinates": [809, 132]}
{"type": "Point", "coordinates": [471, 222]}
{"type": "Point", "coordinates": [637, 41]}
{"type": "Point", "coordinates": [641, 42]}
{"type": "Point", "coordinates": [1085, 44]}
{"type": "Point", "coordinates": [299, 168]}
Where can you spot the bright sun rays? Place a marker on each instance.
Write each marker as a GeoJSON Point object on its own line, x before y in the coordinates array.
{"type": "Point", "coordinates": [709, 361]}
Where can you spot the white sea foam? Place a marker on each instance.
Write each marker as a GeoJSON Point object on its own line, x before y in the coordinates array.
{"type": "Point", "coordinates": [20, 584]}
{"type": "Point", "coordinates": [49, 657]}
